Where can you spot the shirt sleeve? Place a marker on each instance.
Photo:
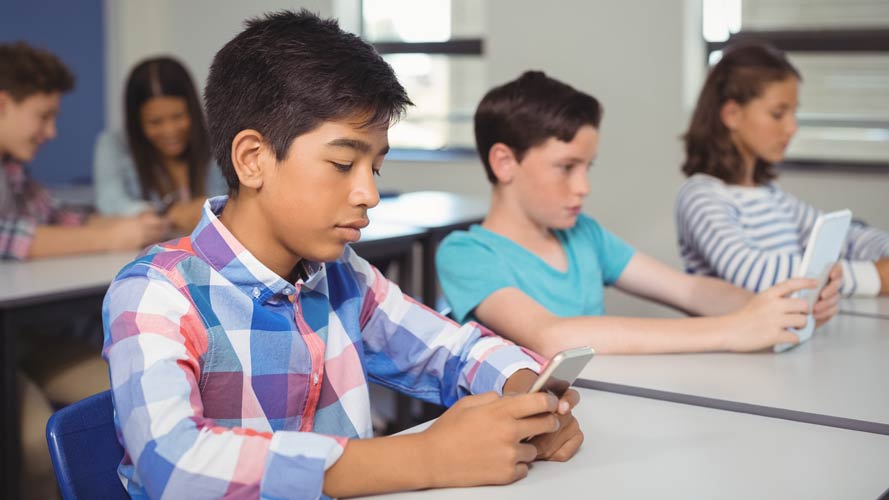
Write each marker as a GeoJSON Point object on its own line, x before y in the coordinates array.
{"type": "Point", "coordinates": [112, 165]}
{"type": "Point", "coordinates": [469, 272]}
{"type": "Point", "coordinates": [412, 349]}
{"type": "Point", "coordinates": [712, 226]}
{"type": "Point", "coordinates": [613, 252]}
{"type": "Point", "coordinates": [16, 236]}
{"type": "Point", "coordinates": [154, 341]}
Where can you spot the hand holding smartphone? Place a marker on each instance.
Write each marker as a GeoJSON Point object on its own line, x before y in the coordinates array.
{"type": "Point", "coordinates": [562, 370]}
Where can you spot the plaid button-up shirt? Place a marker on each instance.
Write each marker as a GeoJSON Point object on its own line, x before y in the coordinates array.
{"type": "Point", "coordinates": [230, 380]}
{"type": "Point", "coordinates": [24, 205]}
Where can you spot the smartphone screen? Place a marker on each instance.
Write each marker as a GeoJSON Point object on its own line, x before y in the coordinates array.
{"type": "Point", "coordinates": [562, 370]}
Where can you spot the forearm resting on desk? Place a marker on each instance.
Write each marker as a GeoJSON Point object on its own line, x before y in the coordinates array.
{"type": "Point", "coordinates": [55, 241]}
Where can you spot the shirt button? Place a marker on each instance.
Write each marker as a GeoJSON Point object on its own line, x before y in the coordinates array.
{"type": "Point", "coordinates": [255, 292]}
{"type": "Point", "coordinates": [315, 378]}
{"type": "Point", "coordinates": [288, 291]}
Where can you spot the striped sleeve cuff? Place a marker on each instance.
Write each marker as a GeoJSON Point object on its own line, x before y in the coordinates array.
{"type": "Point", "coordinates": [860, 278]}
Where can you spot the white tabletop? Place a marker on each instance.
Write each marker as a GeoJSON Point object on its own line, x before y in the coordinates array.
{"type": "Point", "coordinates": [877, 307]}
{"type": "Point", "coordinates": [644, 448]}
{"type": "Point", "coordinates": [25, 282]}
{"type": "Point", "coordinates": [840, 372]}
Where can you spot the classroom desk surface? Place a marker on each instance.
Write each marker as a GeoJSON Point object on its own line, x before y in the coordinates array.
{"type": "Point", "coordinates": [57, 278]}
{"type": "Point", "coordinates": [875, 307]}
{"type": "Point", "coordinates": [838, 377]}
{"type": "Point", "coordinates": [644, 448]}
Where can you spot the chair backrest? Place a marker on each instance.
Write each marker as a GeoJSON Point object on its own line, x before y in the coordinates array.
{"type": "Point", "coordinates": [85, 451]}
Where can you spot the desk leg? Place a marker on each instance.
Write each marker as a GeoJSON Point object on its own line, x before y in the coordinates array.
{"type": "Point", "coordinates": [429, 278]}
{"type": "Point", "coordinates": [10, 412]}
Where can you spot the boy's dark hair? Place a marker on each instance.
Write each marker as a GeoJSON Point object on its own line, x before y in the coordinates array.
{"type": "Point", "coordinates": [165, 77]}
{"type": "Point", "coordinates": [288, 72]}
{"type": "Point", "coordinates": [741, 76]}
{"type": "Point", "coordinates": [25, 71]}
{"type": "Point", "coordinates": [525, 112]}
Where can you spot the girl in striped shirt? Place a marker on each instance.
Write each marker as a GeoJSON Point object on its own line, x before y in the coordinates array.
{"type": "Point", "coordinates": [733, 220]}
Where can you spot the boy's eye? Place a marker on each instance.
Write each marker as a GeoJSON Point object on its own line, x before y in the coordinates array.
{"type": "Point", "coordinates": [342, 167]}
{"type": "Point", "coordinates": [377, 172]}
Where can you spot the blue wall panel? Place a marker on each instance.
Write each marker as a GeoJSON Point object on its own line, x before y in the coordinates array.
{"type": "Point", "coordinates": [74, 31]}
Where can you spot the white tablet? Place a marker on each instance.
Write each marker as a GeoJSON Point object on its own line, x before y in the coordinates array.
{"type": "Point", "coordinates": [822, 251]}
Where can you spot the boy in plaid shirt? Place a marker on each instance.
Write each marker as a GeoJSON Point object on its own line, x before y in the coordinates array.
{"type": "Point", "coordinates": [240, 355]}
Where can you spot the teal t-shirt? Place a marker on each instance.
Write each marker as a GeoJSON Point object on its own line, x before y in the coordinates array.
{"type": "Point", "coordinates": [474, 264]}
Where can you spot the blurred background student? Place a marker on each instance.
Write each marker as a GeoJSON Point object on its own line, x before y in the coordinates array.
{"type": "Point", "coordinates": [55, 368]}
{"type": "Point", "coordinates": [734, 221]}
{"type": "Point", "coordinates": [162, 162]}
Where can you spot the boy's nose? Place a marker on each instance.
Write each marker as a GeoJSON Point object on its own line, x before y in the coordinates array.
{"type": "Point", "coordinates": [582, 185]}
{"type": "Point", "coordinates": [364, 192]}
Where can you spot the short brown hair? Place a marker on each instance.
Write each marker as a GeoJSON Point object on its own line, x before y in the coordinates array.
{"type": "Point", "coordinates": [25, 70]}
{"type": "Point", "coordinates": [741, 76]}
{"type": "Point", "coordinates": [527, 111]}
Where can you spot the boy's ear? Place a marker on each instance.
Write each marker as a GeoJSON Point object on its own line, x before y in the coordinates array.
{"type": "Point", "coordinates": [730, 114]}
{"type": "Point", "coordinates": [503, 162]}
{"type": "Point", "coordinates": [249, 156]}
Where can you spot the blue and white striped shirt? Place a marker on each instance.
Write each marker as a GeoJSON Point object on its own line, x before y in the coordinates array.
{"type": "Point", "coordinates": [754, 237]}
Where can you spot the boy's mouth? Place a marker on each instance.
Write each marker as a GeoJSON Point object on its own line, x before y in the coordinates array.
{"type": "Point", "coordinates": [351, 230]}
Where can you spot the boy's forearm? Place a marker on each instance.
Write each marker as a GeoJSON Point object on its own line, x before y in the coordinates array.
{"type": "Point", "coordinates": [713, 296]}
{"type": "Point", "coordinates": [617, 335]}
{"type": "Point", "coordinates": [381, 465]}
{"type": "Point", "coordinates": [55, 241]}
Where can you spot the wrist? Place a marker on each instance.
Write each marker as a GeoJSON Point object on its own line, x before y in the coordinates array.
{"type": "Point", "coordinates": [519, 382]}
{"type": "Point", "coordinates": [432, 472]}
{"type": "Point", "coordinates": [724, 328]}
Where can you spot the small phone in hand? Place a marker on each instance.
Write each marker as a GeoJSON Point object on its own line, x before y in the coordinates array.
{"type": "Point", "coordinates": [165, 204]}
{"type": "Point", "coordinates": [562, 370]}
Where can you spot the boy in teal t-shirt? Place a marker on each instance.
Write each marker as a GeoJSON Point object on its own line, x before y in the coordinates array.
{"type": "Point", "coordinates": [535, 269]}
{"type": "Point", "coordinates": [594, 256]}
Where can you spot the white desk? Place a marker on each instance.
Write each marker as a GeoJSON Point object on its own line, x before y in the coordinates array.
{"type": "Point", "coordinates": [875, 307]}
{"type": "Point", "coordinates": [839, 374]}
{"type": "Point", "coordinates": [49, 279]}
{"type": "Point", "coordinates": [644, 448]}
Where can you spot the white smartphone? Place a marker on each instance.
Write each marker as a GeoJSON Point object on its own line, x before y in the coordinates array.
{"type": "Point", "coordinates": [822, 252]}
{"type": "Point", "coordinates": [562, 370]}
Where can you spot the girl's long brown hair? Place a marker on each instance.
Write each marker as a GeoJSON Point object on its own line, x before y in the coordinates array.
{"type": "Point", "coordinates": [159, 77]}
{"type": "Point", "coordinates": [741, 75]}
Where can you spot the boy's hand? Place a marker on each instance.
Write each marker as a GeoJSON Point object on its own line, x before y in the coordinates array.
{"type": "Point", "coordinates": [479, 440]}
{"type": "Point", "coordinates": [828, 304]}
{"type": "Point", "coordinates": [763, 322]}
{"type": "Point", "coordinates": [561, 445]}
{"type": "Point", "coordinates": [132, 233]}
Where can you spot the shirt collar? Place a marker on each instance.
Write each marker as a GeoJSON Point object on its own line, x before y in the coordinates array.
{"type": "Point", "coordinates": [216, 245]}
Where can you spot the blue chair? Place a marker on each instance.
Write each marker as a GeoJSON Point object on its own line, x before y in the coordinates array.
{"type": "Point", "coordinates": [84, 449]}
